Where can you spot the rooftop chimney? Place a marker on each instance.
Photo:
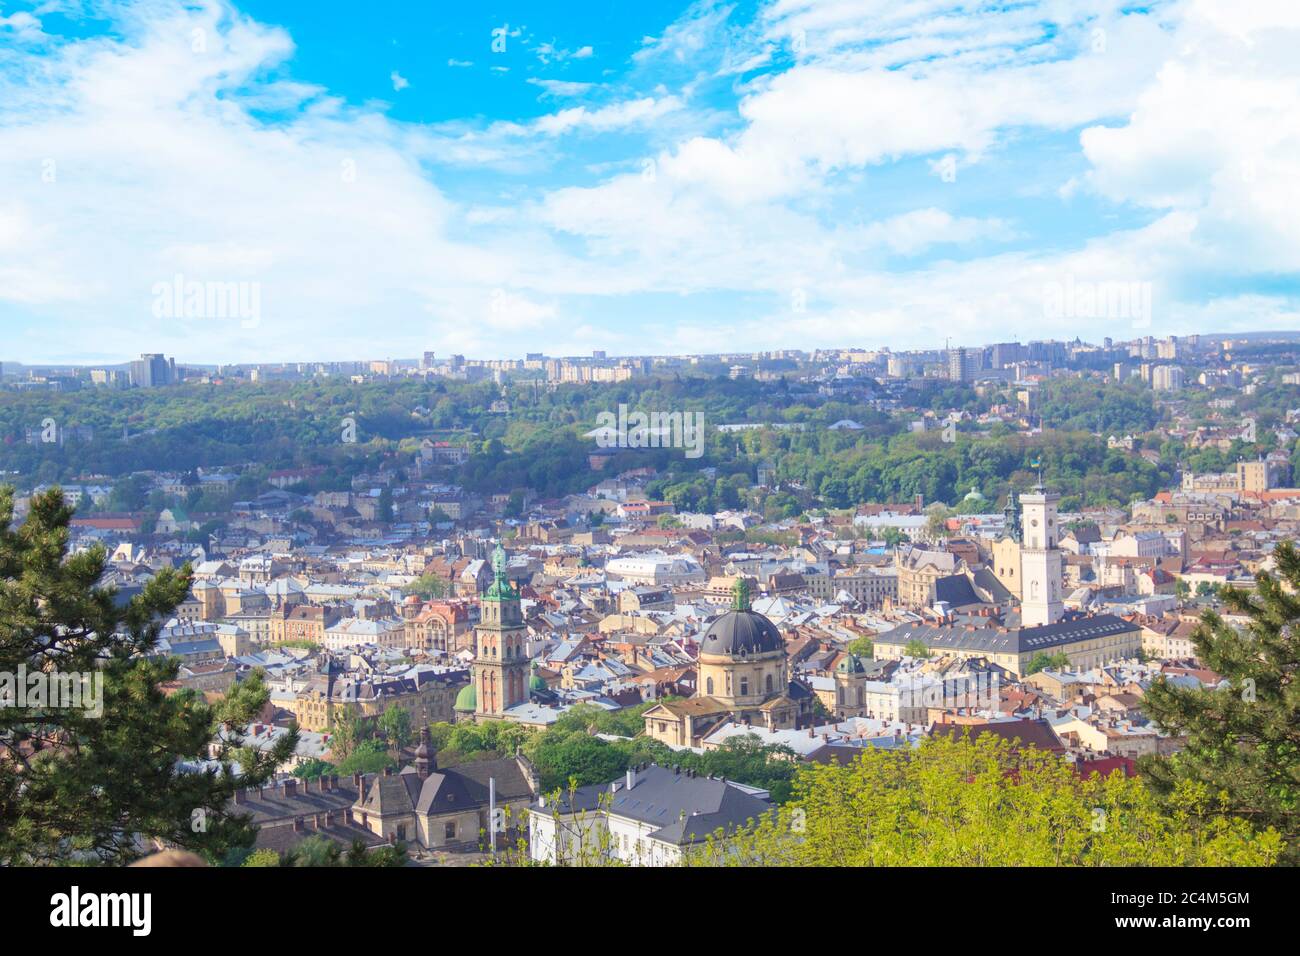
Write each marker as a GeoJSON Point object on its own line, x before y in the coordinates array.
{"type": "Point", "coordinates": [630, 778]}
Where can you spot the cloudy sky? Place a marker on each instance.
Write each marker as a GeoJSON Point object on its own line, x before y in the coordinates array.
{"type": "Point", "coordinates": [641, 177]}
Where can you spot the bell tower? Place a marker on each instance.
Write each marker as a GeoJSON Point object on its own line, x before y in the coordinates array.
{"type": "Point", "coordinates": [500, 670]}
{"type": "Point", "coordinates": [1040, 561]}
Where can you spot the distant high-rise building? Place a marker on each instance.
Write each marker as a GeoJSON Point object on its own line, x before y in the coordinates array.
{"type": "Point", "coordinates": [426, 362]}
{"type": "Point", "coordinates": [1051, 352]}
{"type": "Point", "coordinates": [151, 370]}
{"type": "Point", "coordinates": [964, 364]}
{"type": "Point", "coordinates": [1166, 378]}
{"type": "Point", "coordinates": [1004, 354]}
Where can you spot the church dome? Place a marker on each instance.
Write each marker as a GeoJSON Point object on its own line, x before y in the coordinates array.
{"type": "Point", "coordinates": [851, 665]}
{"type": "Point", "coordinates": [467, 699]}
{"type": "Point", "coordinates": [741, 631]}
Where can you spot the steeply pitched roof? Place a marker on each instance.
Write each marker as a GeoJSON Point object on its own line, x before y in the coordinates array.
{"type": "Point", "coordinates": [446, 791]}
{"type": "Point", "coordinates": [687, 808]}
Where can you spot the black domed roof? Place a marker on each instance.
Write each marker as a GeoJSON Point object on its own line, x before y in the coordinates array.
{"type": "Point", "coordinates": [741, 632]}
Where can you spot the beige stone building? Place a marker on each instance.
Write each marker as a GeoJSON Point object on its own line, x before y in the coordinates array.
{"type": "Point", "coordinates": [451, 808]}
{"type": "Point", "coordinates": [743, 675]}
{"type": "Point", "coordinates": [918, 572]}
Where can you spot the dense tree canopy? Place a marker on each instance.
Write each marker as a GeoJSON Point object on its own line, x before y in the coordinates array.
{"type": "Point", "coordinates": [949, 803]}
{"type": "Point", "coordinates": [1243, 739]}
{"type": "Point", "coordinates": [86, 783]}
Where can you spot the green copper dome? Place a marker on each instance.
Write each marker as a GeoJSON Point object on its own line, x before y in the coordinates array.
{"type": "Point", "coordinates": [467, 699]}
{"type": "Point", "coordinates": [500, 589]}
{"type": "Point", "coordinates": [536, 683]}
{"type": "Point", "coordinates": [851, 665]}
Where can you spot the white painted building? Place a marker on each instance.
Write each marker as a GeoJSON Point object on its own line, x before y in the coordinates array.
{"type": "Point", "coordinates": [651, 816]}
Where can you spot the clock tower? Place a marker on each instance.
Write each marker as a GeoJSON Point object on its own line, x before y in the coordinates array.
{"type": "Point", "coordinates": [500, 670]}
{"type": "Point", "coordinates": [1040, 561]}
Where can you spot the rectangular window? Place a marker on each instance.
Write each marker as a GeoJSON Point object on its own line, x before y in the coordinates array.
{"type": "Point", "coordinates": [449, 831]}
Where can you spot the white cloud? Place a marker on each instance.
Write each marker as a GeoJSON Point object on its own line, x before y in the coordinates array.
{"type": "Point", "coordinates": [1189, 119]}
{"type": "Point", "coordinates": [328, 211]}
{"type": "Point", "coordinates": [1217, 135]}
{"type": "Point", "coordinates": [605, 118]}
{"type": "Point", "coordinates": [399, 82]}
{"type": "Point", "coordinates": [561, 88]}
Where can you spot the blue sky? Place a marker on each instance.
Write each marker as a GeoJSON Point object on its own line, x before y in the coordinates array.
{"type": "Point", "coordinates": [639, 178]}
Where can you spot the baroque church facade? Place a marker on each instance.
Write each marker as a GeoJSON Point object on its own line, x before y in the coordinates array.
{"type": "Point", "coordinates": [743, 676]}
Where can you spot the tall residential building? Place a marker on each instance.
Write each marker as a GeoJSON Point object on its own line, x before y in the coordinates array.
{"type": "Point", "coordinates": [500, 671]}
{"type": "Point", "coordinates": [1166, 378]}
{"type": "Point", "coordinates": [1004, 354]}
{"type": "Point", "coordinates": [964, 364]}
{"type": "Point", "coordinates": [151, 370]}
{"type": "Point", "coordinates": [1040, 561]}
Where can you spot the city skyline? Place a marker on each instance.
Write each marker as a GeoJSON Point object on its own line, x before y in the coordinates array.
{"type": "Point", "coordinates": [600, 356]}
{"type": "Point", "coordinates": [220, 180]}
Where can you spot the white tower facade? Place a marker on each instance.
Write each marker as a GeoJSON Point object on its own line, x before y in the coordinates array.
{"type": "Point", "coordinates": [1040, 561]}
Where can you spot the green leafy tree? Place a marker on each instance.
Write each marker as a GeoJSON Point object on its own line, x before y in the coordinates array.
{"type": "Point", "coordinates": [314, 851]}
{"type": "Point", "coordinates": [863, 647]}
{"type": "Point", "coordinates": [81, 783]}
{"type": "Point", "coordinates": [1243, 738]}
{"type": "Point", "coordinates": [262, 858]}
{"type": "Point", "coordinates": [314, 769]}
{"type": "Point", "coordinates": [1044, 661]}
{"type": "Point", "coordinates": [947, 803]}
{"type": "Point", "coordinates": [893, 537]}
{"type": "Point", "coordinates": [428, 587]}
{"type": "Point", "coordinates": [916, 648]}
{"type": "Point", "coordinates": [395, 726]}
{"type": "Point", "coordinates": [348, 729]}
{"type": "Point", "coordinates": [936, 522]}
{"type": "Point", "coordinates": [369, 756]}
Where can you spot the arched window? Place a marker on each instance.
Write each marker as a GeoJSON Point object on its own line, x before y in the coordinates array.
{"type": "Point", "coordinates": [769, 683]}
{"type": "Point", "coordinates": [708, 686]}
